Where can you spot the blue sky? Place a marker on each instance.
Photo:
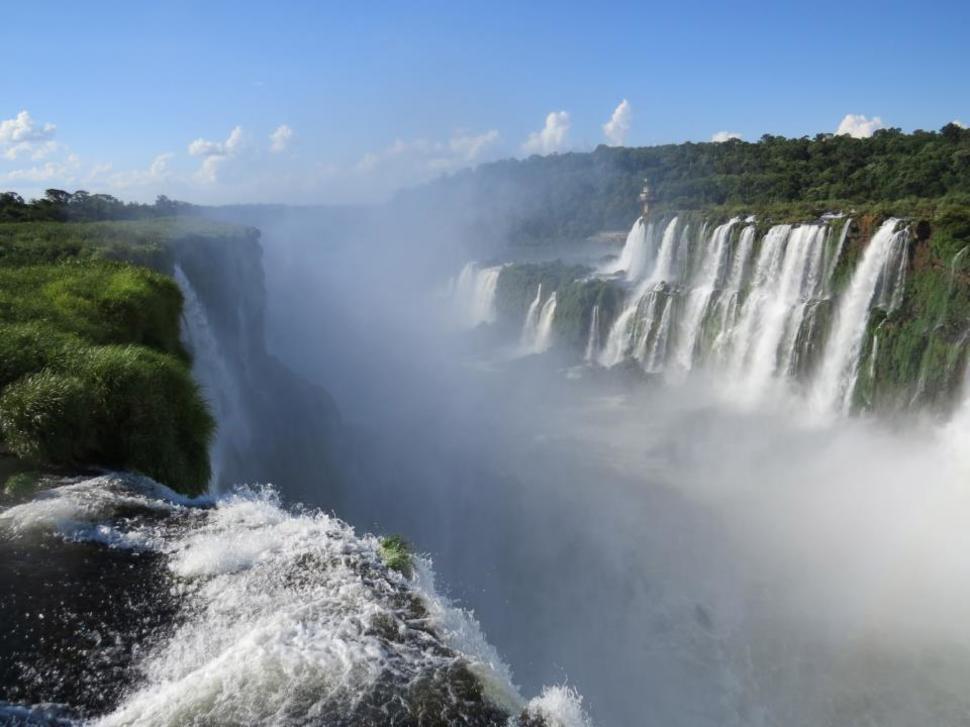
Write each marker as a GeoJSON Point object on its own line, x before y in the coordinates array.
{"type": "Point", "coordinates": [137, 99]}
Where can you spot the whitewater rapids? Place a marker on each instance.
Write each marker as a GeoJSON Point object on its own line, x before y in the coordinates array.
{"type": "Point", "coordinates": [279, 617]}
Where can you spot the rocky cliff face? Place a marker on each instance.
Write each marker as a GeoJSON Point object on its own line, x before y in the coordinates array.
{"type": "Point", "coordinates": [274, 426]}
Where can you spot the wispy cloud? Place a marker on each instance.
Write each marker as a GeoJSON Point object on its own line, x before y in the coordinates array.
{"type": "Point", "coordinates": [62, 172]}
{"type": "Point", "coordinates": [159, 172]}
{"type": "Point", "coordinates": [617, 128]}
{"type": "Point", "coordinates": [551, 137]}
{"type": "Point", "coordinates": [426, 158]}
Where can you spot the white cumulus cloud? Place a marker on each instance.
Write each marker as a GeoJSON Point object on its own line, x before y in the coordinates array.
{"type": "Point", "coordinates": [858, 126]}
{"type": "Point", "coordinates": [280, 138]}
{"type": "Point", "coordinates": [959, 123]}
{"type": "Point", "coordinates": [618, 126]}
{"type": "Point", "coordinates": [205, 148]}
{"type": "Point", "coordinates": [725, 136]}
{"type": "Point", "coordinates": [215, 152]}
{"type": "Point", "coordinates": [551, 137]}
{"type": "Point", "coordinates": [22, 135]}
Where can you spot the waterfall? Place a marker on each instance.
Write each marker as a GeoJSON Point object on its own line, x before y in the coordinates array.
{"type": "Point", "coordinates": [629, 331]}
{"type": "Point", "coordinates": [836, 380]}
{"type": "Point", "coordinates": [783, 305]}
{"type": "Point", "coordinates": [620, 338]}
{"type": "Point", "coordinates": [637, 252]}
{"type": "Point", "coordinates": [216, 377]}
{"type": "Point", "coordinates": [760, 309]}
{"type": "Point", "coordinates": [474, 294]}
{"type": "Point", "coordinates": [531, 325]}
{"type": "Point", "coordinates": [657, 357]}
{"type": "Point", "coordinates": [666, 257]}
{"type": "Point", "coordinates": [593, 342]}
{"type": "Point", "coordinates": [727, 303]}
{"type": "Point", "coordinates": [543, 339]}
{"type": "Point", "coordinates": [700, 294]}
{"type": "Point", "coordinates": [766, 271]}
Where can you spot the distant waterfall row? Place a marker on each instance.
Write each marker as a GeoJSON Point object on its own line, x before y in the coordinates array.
{"type": "Point", "coordinates": [750, 307]}
{"type": "Point", "coordinates": [473, 295]}
{"type": "Point", "coordinates": [825, 307]}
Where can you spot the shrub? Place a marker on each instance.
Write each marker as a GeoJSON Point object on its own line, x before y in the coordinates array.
{"type": "Point", "coordinates": [396, 553]}
{"type": "Point", "coordinates": [27, 348]}
{"type": "Point", "coordinates": [119, 406]}
{"type": "Point", "coordinates": [98, 301]}
{"type": "Point", "coordinates": [46, 417]}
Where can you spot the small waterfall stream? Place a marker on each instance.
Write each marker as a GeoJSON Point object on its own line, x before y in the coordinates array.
{"type": "Point", "coordinates": [220, 385]}
{"type": "Point", "coordinates": [530, 327]}
{"type": "Point", "coordinates": [593, 342]}
{"type": "Point", "coordinates": [543, 333]}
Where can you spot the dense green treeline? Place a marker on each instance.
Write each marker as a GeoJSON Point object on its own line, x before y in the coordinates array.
{"type": "Point", "coordinates": [92, 371]}
{"type": "Point", "coordinates": [571, 196]}
{"type": "Point", "coordinates": [59, 206]}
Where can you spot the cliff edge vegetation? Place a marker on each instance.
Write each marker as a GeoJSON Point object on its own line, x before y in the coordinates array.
{"type": "Point", "coordinates": [92, 371]}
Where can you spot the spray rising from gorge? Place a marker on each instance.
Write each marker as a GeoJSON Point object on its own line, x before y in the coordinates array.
{"type": "Point", "coordinates": [708, 469]}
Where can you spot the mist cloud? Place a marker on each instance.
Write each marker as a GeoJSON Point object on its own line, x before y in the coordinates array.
{"type": "Point", "coordinates": [725, 136]}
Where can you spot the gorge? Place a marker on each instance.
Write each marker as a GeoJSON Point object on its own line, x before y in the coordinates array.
{"type": "Point", "coordinates": [715, 474]}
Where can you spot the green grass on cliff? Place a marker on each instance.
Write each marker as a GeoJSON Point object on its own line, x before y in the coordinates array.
{"type": "Point", "coordinates": [92, 372]}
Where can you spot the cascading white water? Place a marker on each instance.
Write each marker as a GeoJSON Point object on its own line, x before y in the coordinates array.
{"type": "Point", "coordinates": [219, 383]}
{"type": "Point", "coordinates": [758, 311]}
{"type": "Point", "coordinates": [593, 342]}
{"type": "Point", "coordinates": [699, 297]}
{"type": "Point", "coordinates": [543, 339]}
{"type": "Point", "coordinates": [766, 270]}
{"type": "Point", "coordinates": [630, 333]}
{"type": "Point", "coordinates": [474, 294]}
{"type": "Point", "coordinates": [637, 253]}
{"type": "Point", "coordinates": [664, 270]}
{"type": "Point", "coordinates": [531, 325]}
{"type": "Point", "coordinates": [620, 338]}
{"type": "Point", "coordinates": [782, 306]}
{"type": "Point", "coordinates": [728, 301]}
{"type": "Point", "coordinates": [655, 359]}
{"type": "Point", "coordinates": [833, 388]}
{"type": "Point", "coordinates": [285, 617]}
